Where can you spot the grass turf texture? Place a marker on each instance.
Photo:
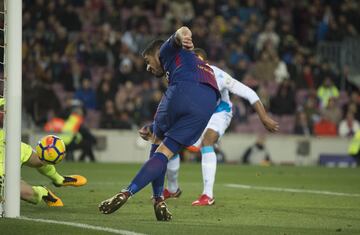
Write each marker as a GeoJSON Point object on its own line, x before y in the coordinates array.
{"type": "Point", "coordinates": [237, 211]}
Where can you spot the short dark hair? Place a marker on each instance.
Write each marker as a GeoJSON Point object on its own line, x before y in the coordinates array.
{"type": "Point", "coordinates": [153, 47]}
{"type": "Point", "coordinates": [200, 52]}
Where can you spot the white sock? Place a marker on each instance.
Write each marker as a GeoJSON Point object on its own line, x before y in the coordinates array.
{"type": "Point", "coordinates": [208, 164]}
{"type": "Point", "coordinates": [172, 173]}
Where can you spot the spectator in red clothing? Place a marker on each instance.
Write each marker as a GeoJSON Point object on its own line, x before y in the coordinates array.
{"type": "Point", "coordinates": [325, 128]}
{"type": "Point", "coordinates": [308, 77]}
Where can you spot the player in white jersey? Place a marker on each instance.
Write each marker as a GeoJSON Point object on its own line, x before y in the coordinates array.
{"type": "Point", "coordinates": [216, 127]}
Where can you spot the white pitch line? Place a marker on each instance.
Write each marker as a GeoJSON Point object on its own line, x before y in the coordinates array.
{"type": "Point", "coordinates": [292, 190]}
{"type": "Point", "coordinates": [85, 226]}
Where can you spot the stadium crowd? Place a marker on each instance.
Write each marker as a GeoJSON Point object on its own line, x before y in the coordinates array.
{"type": "Point", "coordinates": [90, 51]}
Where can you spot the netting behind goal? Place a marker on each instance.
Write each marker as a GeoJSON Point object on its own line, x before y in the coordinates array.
{"type": "Point", "coordinates": [2, 107]}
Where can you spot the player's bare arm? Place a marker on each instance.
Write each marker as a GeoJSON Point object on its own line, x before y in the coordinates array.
{"type": "Point", "coordinates": [183, 37]}
{"type": "Point", "coordinates": [244, 91]}
{"type": "Point", "coordinates": [267, 121]}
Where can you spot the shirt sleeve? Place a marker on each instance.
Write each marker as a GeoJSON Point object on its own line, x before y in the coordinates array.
{"type": "Point", "coordinates": [240, 89]}
{"type": "Point", "coordinates": [169, 48]}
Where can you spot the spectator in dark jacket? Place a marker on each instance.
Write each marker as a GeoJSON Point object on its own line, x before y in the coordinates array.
{"type": "Point", "coordinates": [283, 102]}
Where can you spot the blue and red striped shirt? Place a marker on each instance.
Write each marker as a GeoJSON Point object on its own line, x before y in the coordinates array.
{"type": "Point", "coordinates": [183, 65]}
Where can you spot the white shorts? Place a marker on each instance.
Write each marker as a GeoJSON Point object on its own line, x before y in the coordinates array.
{"type": "Point", "coordinates": [218, 122]}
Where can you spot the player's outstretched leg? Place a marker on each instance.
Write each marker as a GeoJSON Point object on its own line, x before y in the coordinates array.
{"type": "Point", "coordinates": [150, 171]}
{"type": "Point", "coordinates": [34, 194]}
{"type": "Point", "coordinates": [51, 199]}
{"type": "Point", "coordinates": [50, 172]}
{"type": "Point", "coordinates": [72, 180]}
{"type": "Point", "coordinates": [172, 173]}
{"type": "Point", "coordinates": [161, 210]}
{"type": "Point", "coordinates": [158, 183]}
{"type": "Point", "coordinates": [114, 203]}
{"type": "Point", "coordinates": [59, 180]}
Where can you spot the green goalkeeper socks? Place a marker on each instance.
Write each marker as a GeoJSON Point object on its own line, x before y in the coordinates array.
{"type": "Point", "coordinates": [50, 172]}
{"type": "Point", "coordinates": [39, 193]}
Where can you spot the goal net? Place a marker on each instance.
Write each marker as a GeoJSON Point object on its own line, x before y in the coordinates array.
{"type": "Point", "coordinates": [2, 87]}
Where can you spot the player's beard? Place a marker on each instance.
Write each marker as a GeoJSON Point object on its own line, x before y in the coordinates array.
{"type": "Point", "coordinates": [159, 73]}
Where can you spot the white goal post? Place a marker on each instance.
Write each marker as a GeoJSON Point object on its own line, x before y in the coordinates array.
{"type": "Point", "coordinates": [13, 90]}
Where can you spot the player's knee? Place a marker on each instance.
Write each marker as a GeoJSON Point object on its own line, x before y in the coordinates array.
{"type": "Point", "coordinates": [169, 147]}
{"type": "Point", "coordinates": [208, 142]}
{"type": "Point", "coordinates": [26, 194]}
{"type": "Point", "coordinates": [210, 138]}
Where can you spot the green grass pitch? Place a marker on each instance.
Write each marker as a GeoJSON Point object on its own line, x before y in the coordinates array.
{"type": "Point", "coordinates": [237, 211]}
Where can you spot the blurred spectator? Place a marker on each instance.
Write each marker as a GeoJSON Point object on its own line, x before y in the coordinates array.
{"type": "Point", "coordinates": [86, 144]}
{"type": "Point", "coordinates": [257, 154]}
{"type": "Point", "coordinates": [66, 42]}
{"type": "Point", "coordinates": [350, 86]}
{"type": "Point", "coordinates": [354, 147]}
{"type": "Point", "coordinates": [311, 109]}
{"type": "Point", "coordinates": [332, 112]}
{"type": "Point", "coordinates": [349, 126]}
{"type": "Point", "coordinates": [104, 94]}
{"type": "Point", "coordinates": [268, 36]}
{"type": "Point", "coordinates": [325, 71]}
{"type": "Point", "coordinates": [182, 10]}
{"type": "Point", "coordinates": [284, 101]}
{"type": "Point", "coordinates": [325, 128]}
{"type": "Point", "coordinates": [353, 105]}
{"type": "Point", "coordinates": [307, 78]}
{"type": "Point", "coordinates": [281, 73]}
{"type": "Point", "coordinates": [302, 125]}
{"type": "Point", "coordinates": [264, 69]}
{"type": "Point", "coordinates": [264, 96]}
{"type": "Point", "coordinates": [86, 95]}
{"type": "Point", "coordinates": [109, 118]}
{"type": "Point", "coordinates": [44, 101]}
{"type": "Point", "coordinates": [72, 79]}
{"type": "Point", "coordinates": [125, 71]}
{"type": "Point", "coordinates": [240, 110]}
{"type": "Point", "coordinates": [326, 91]}
{"type": "Point", "coordinates": [124, 121]}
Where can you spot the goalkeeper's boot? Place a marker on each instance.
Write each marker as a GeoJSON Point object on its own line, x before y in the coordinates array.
{"type": "Point", "coordinates": [162, 212]}
{"type": "Point", "coordinates": [114, 203]}
{"type": "Point", "coordinates": [167, 194]}
{"type": "Point", "coordinates": [72, 180]}
{"type": "Point", "coordinates": [52, 200]}
{"type": "Point", "coordinates": [204, 200]}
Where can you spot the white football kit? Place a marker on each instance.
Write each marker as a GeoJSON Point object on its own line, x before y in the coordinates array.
{"type": "Point", "coordinates": [221, 118]}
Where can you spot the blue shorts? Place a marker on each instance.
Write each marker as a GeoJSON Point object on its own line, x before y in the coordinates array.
{"type": "Point", "coordinates": [184, 112]}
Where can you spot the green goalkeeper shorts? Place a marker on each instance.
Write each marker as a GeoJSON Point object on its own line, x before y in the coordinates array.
{"type": "Point", "coordinates": [26, 151]}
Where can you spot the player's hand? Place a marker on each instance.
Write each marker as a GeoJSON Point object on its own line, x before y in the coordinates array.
{"type": "Point", "coordinates": [270, 124]}
{"type": "Point", "coordinates": [184, 38]}
{"type": "Point", "coordinates": [187, 42]}
{"type": "Point", "coordinates": [145, 132]}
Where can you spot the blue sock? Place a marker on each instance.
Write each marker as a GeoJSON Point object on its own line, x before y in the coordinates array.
{"type": "Point", "coordinates": [151, 170]}
{"type": "Point", "coordinates": [158, 183]}
{"type": "Point", "coordinates": [153, 149]}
